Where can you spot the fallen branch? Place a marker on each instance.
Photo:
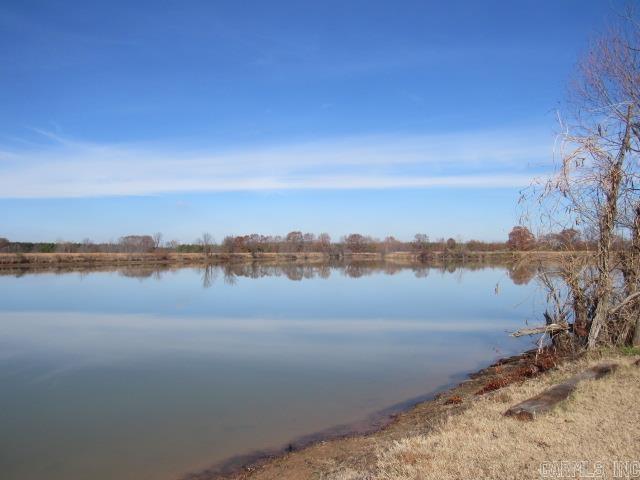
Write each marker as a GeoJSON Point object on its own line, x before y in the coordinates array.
{"type": "Point", "coordinates": [548, 399]}
{"type": "Point", "coordinates": [633, 296]}
{"type": "Point", "coordinates": [553, 327]}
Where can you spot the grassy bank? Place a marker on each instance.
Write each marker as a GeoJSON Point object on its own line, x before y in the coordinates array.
{"type": "Point", "coordinates": [161, 258]}
{"type": "Point", "coordinates": [464, 434]}
{"type": "Point", "coordinates": [172, 258]}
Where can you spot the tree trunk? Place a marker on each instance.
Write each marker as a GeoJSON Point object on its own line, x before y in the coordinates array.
{"type": "Point", "coordinates": [599, 318]}
{"type": "Point", "coordinates": [632, 273]}
{"type": "Point", "coordinates": [607, 223]}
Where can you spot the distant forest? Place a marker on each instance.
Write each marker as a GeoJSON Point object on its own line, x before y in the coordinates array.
{"type": "Point", "coordinates": [520, 239]}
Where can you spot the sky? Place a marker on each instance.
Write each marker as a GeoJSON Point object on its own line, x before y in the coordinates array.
{"type": "Point", "coordinates": [234, 117]}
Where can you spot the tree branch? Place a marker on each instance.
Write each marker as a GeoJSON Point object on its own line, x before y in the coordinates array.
{"type": "Point", "coordinates": [553, 327]}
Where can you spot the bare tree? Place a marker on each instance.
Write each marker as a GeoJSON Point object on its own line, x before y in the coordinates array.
{"type": "Point", "coordinates": [63, 246]}
{"type": "Point", "coordinates": [324, 242]}
{"type": "Point", "coordinates": [206, 241]}
{"type": "Point", "coordinates": [595, 189]}
{"type": "Point", "coordinates": [420, 245]}
{"type": "Point", "coordinates": [87, 245]}
{"type": "Point", "coordinates": [136, 243]}
{"type": "Point", "coordinates": [357, 243]}
{"type": "Point", "coordinates": [391, 244]}
{"type": "Point", "coordinates": [294, 241]}
{"type": "Point", "coordinates": [157, 240]}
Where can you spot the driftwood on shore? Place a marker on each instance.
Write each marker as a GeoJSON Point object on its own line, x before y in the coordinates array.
{"type": "Point", "coordinates": [548, 399]}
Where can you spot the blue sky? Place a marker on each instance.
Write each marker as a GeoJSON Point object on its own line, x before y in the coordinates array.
{"type": "Point", "coordinates": [237, 117]}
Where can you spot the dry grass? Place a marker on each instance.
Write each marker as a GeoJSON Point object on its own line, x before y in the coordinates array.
{"type": "Point", "coordinates": [38, 259]}
{"type": "Point", "coordinates": [54, 259]}
{"type": "Point", "coordinates": [599, 423]}
{"type": "Point", "coordinates": [408, 258]}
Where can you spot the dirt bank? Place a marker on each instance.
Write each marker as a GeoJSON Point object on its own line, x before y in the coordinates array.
{"type": "Point", "coordinates": [460, 421]}
{"type": "Point", "coordinates": [41, 260]}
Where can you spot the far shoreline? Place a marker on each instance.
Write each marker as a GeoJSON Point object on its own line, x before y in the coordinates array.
{"type": "Point", "coordinates": [173, 259]}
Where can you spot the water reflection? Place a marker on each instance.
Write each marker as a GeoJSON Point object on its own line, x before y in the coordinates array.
{"type": "Point", "coordinates": [103, 370]}
{"type": "Point", "coordinates": [520, 273]}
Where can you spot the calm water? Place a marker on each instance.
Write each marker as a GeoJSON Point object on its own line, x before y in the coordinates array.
{"type": "Point", "coordinates": [136, 375]}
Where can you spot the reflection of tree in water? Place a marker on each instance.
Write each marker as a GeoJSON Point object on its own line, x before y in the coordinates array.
{"type": "Point", "coordinates": [229, 275]}
{"type": "Point", "coordinates": [356, 270]}
{"type": "Point", "coordinates": [522, 274]}
{"type": "Point", "coordinates": [324, 271]}
{"type": "Point", "coordinates": [309, 272]}
{"type": "Point", "coordinates": [300, 271]}
{"type": "Point", "coordinates": [209, 275]}
{"type": "Point", "coordinates": [392, 269]}
{"type": "Point", "coordinates": [136, 271]}
{"type": "Point", "coordinates": [451, 267]}
{"type": "Point", "coordinates": [295, 271]}
{"type": "Point", "coordinates": [142, 272]}
{"type": "Point", "coordinates": [421, 272]}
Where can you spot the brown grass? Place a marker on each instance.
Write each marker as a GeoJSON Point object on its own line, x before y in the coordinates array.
{"type": "Point", "coordinates": [599, 423]}
{"type": "Point", "coordinates": [541, 363]}
{"type": "Point", "coordinates": [101, 259]}
{"type": "Point", "coordinates": [445, 439]}
{"type": "Point", "coordinates": [453, 400]}
{"type": "Point", "coordinates": [164, 257]}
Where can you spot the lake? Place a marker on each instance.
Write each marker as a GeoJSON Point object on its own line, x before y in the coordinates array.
{"type": "Point", "coordinates": [141, 374]}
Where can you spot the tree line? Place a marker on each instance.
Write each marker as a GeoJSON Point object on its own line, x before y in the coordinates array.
{"type": "Point", "coordinates": [520, 239]}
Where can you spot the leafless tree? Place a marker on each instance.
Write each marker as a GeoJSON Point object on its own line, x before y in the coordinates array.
{"type": "Point", "coordinates": [294, 241]}
{"type": "Point", "coordinates": [157, 240]}
{"type": "Point", "coordinates": [391, 244]}
{"type": "Point", "coordinates": [136, 243]}
{"type": "Point", "coordinates": [206, 242]}
{"type": "Point", "coordinates": [63, 246]}
{"type": "Point", "coordinates": [324, 242]}
{"type": "Point", "coordinates": [421, 245]}
{"type": "Point", "coordinates": [357, 243]}
{"type": "Point", "coordinates": [87, 245]}
{"type": "Point", "coordinates": [595, 189]}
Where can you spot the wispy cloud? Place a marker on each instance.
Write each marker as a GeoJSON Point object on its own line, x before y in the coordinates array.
{"type": "Point", "coordinates": [64, 167]}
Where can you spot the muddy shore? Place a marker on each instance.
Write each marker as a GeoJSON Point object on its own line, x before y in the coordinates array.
{"type": "Point", "coordinates": [76, 260]}
{"type": "Point", "coordinates": [354, 445]}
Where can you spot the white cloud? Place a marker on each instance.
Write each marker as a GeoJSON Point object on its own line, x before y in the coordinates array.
{"type": "Point", "coordinates": [67, 168]}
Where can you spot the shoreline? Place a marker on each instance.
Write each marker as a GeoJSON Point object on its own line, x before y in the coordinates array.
{"type": "Point", "coordinates": [230, 467]}
{"type": "Point", "coordinates": [424, 411]}
{"type": "Point", "coordinates": [172, 259]}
